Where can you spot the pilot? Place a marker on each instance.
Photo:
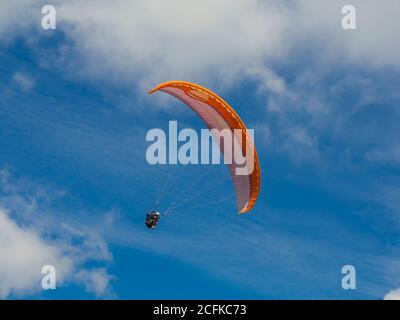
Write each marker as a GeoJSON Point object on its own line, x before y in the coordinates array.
{"type": "Point", "coordinates": [152, 218]}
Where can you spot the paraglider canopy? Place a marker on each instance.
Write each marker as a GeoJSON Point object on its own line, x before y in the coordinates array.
{"type": "Point", "coordinates": [218, 114]}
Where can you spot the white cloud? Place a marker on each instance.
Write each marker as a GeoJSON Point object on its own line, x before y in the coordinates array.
{"type": "Point", "coordinates": [23, 254]}
{"type": "Point", "coordinates": [17, 17]}
{"type": "Point", "coordinates": [393, 295]}
{"type": "Point", "coordinates": [209, 40]}
{"type": "Point", "coordinates": [32, 236]}
{"type": "Point", "coordinates": [159, 40]}
{"type": "Point", "coordinates": [373, 43]}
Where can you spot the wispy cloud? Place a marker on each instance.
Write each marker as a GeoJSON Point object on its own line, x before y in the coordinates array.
{"type": "Point", "coordinates": [33, 236]}
{"type": "Point", "coordinates": [392, 295]}
{"type": "Point", "coordinates": [23, 81]}
{"type": "Point", "coordinates": [274, 253]}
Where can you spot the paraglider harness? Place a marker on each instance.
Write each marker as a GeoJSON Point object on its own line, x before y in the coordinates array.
{"type": "Point", "coordinates": [152, 218]}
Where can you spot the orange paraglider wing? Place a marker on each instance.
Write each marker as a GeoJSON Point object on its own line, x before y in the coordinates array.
{"type": "Point", "coordinates": [217, 114]}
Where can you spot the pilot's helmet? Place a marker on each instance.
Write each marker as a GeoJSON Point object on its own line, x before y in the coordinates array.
{"type": "Point", "coordinates": [156, 214]}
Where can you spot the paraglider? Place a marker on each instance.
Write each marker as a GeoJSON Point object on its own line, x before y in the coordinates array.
{"type": "Point", "coordinates": [219, 116]}
{"type": "Point", "coordinates": [152, 218]}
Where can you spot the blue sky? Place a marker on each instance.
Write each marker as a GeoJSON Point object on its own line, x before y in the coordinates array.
{"type": "Point", "coordinates": [75, 184]}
